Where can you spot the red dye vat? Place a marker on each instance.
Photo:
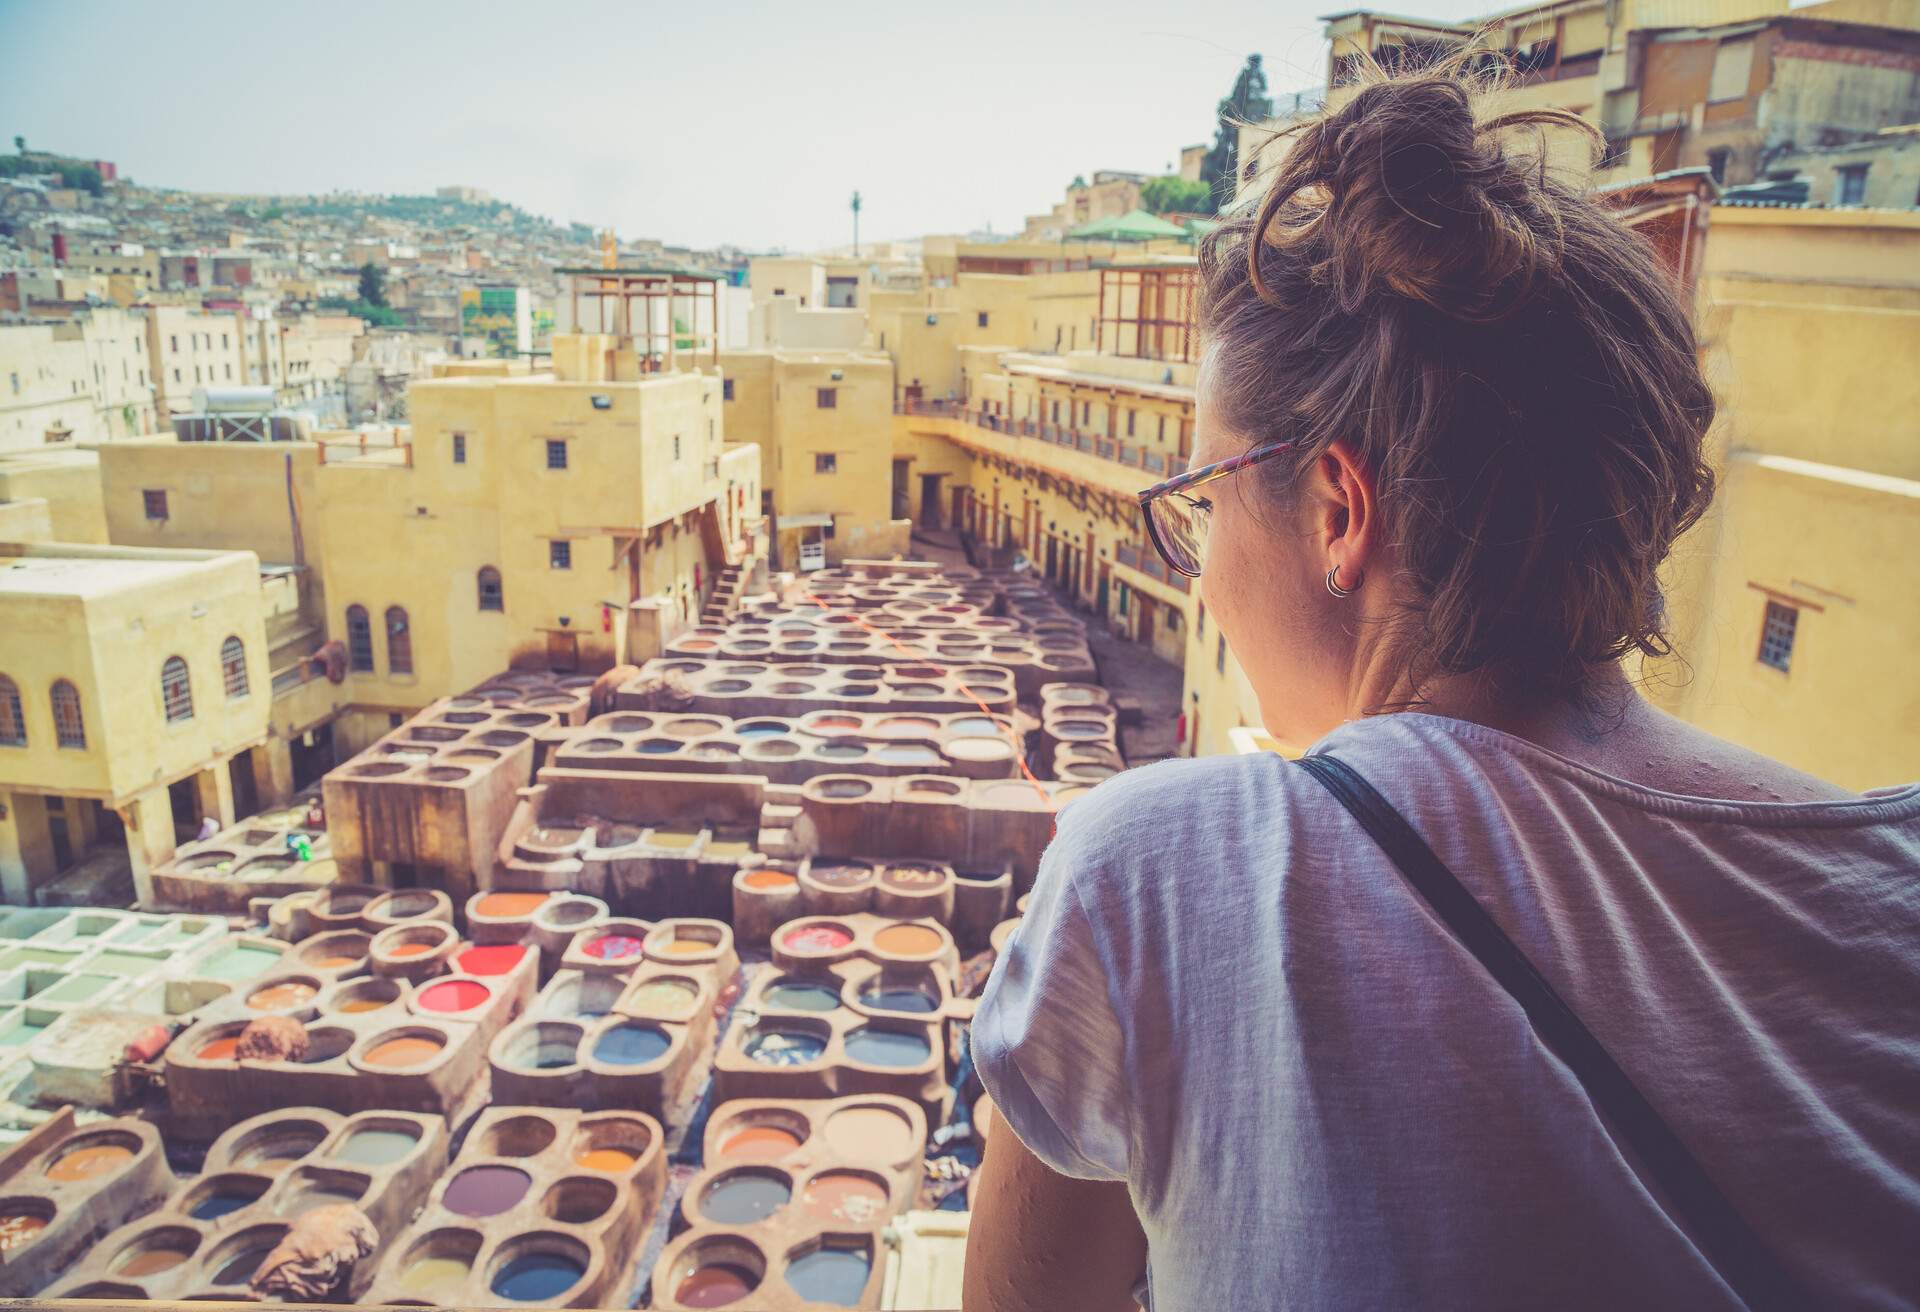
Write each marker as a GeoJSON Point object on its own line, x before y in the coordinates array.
{"type": "Point", "coordinates": [818, 938]}
{"type": "Point", "coordinates": [494, 959]}
{"type": "Point", "coordinates": [454, 995]}
{"type": "Point", "coordinates": [612, 947]}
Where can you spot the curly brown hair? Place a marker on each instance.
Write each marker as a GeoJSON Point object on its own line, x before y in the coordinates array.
{"type": "Point", "coordinates": [1508, 359]}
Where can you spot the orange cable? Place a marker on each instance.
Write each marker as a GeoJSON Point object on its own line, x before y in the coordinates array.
{"type": "Point", "coordinates": [1019, 756]}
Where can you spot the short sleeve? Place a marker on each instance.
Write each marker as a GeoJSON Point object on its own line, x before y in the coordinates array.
{"type": "Point", "coordinates": [1046, 1042]}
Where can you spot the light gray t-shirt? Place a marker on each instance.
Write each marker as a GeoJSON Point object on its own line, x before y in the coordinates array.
{"type": "Point", "coordinates": [1225, 995]}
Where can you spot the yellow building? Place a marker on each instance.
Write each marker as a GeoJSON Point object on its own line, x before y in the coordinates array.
{"type": "Point", "coordinates": [133, 691]}
{"type": "Point", "coordinates": [85, 379]}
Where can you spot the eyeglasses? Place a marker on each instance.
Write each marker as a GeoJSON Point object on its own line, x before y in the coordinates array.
{"type": "Point", "coordinates": [1177, 520]}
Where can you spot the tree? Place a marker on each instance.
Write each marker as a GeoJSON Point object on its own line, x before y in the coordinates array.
{"type": "Point", "coordinates": [20, 144]}
{"type": "Point", "coordinates": [1176, 195]}
{"type": "Point", "coordinates": [373, 284]}
{"type": "Point", "coordinates": [1248, 103]}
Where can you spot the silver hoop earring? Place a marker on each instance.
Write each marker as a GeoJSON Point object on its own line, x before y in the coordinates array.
{"type": "Point", "coordinates": [1333, 584]}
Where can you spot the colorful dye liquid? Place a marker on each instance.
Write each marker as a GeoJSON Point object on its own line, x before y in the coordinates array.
{"type": "Point", "coordinates": [870, 1134]}
{"type": "Point", "coordinates": [494, 959]}
{"type": "Point", "coordinates": [453, 995]}
{"type": "Point", "coordinates": [744, 1198]}
{"type": "Point", "coordinates": [219, 1203]}
{"type": "Point", "coordinates": [770, 879]}
{"type": "Point", "coordinates": [611, 1160]}
{"type": "Point", "coordinates": [887, 1048]}
{"type": "Point", "coordinates": [686, 947]}
{"type": "Point", "coordinates": [831, 1275]}
{"type": "Point", "coordinates": [632, 1045]}
{"type": "Point", "coordinates": [818, 938]}
{"type": "Point", "coordinates": [278, 997]}
{"type": "Point", "coordinates": [485, 1190]}
{"type": "Point", "coordinates": [220, 1049]}
{"type": "Point", "coordinates": [537, 1277]}
{"type": "Point", "coordinates": [411, 949]}
{"type": "Point", "coordinates": [510, 905]}
{"type": "Point", "coordinates": [908, 940]}
{"type": "Point", "coordinates": [19, 1229]}
{"type": "Point", "coordinates": [151, 1262]}
{"type": "Point", "coordinates": [21, 1035]}
{"type": "Point", "coordinates": [912, 879]}
{"type": "Point", "coordinates": [551, 1055]}
{"type": "Point", "coordinates": [359, 1004]}
{"type": "Point", "coordinates": [376, 1147]}
{"type": "Point", "coordinates": [784, 1048]}
{"type": "Point", "coordinates": [899, 999]}
{"type": "Point", "coordinates": [614, 947]}
{"type": "Point", "coordinates": [714, 1286]}
{"type": "Point", "coordinates": [405, 1051]}
{"type": "Point", "coordinates": [841, 1199]}
{"type": "Point", "coordinates": [841, 876]}
{"type": "Point", "coordinates": [664, 997]}
{"type": "Point", "coordinates": [799, 995]}
{"type": "Point", "coordinates": [336, 963]}
{"type": "Point", "coordinates": [433, 1275]}
{"type": "Point", "coordinates": [673, 838]}
{"type": "Point", "coordinates": [760, 1143]}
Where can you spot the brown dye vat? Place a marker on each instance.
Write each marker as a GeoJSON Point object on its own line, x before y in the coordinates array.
{"type": "Point", "coordinates": [908, 940]}
{"type": "Point", "coordinates": [408, 1050]}
{"type": "Point", "coordinates": [279, 997]}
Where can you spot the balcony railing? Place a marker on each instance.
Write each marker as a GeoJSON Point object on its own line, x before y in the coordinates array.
{"type": "Point", "coordinates": [1132, 456]}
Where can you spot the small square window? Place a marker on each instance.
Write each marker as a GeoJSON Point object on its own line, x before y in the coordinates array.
{"type": "Point", "coordinates": [560, 554]}
{"type": "Point", "coordinates": [459, 448]}
{"type": "Point", "coordinates": [556, 453]}
{"type": "Point", "coordinates": [726, 389]}
{"type": "Point", "coordinates": [156, 503]}
{"type": "Point", "coordinates": [826, 398]}
{"type": "Point", "coordinates": [1776, 635]}
{"type": "Point", "coordinates": [983, 318]}
{"type": "Point", "coordinates": [1850, 185]}
{"type": "Point", "coordinates": [825, 462]}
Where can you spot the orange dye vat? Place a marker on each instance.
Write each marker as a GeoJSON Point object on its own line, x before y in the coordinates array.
{"type": "Point", "coordinates": [19, 1229]}
{"type": "Point", "coordinates": [292, 993]}
{"type": "Point", "coordinates": [770, 879]}
{"type": "Point", "coordinates": [335, 963]}
{"type": "Point", "coordinates": [364, 1004]}
{"type": "Point", "coordinates": [220, 1049]}
{"type": "Point", "coordinates": [760, 1143]}
{"type": "Point", "coordinates": [611, 1160]}
{"type": "Point", "coordinates": [406, 1051]}
{"type": "Point", "coordinates": [686, 947]}
{"type": "Point", "coordinates": [89, 1163]}
{"type": "Point", "coordinates": [412, 949]}
{"type": "Point", "coordinates": [151, 1262]}
{"type": "Point", "coordinates": [907, 940]}
{"type": "Point", "coordinates": [508, 905]}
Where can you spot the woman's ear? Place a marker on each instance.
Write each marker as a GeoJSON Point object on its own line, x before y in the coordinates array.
{"type": "Point", "coordinates": [1347, 515]}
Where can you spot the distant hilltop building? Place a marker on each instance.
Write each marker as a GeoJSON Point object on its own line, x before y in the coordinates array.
{"type": "Point", "coordinates": [467, 195]}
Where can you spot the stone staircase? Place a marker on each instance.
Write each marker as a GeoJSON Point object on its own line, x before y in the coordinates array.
{"type": "Point", "coordinates": [725, 598]}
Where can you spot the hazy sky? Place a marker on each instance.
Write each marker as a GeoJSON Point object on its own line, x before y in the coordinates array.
{"type": "Point", "coordinates": [702, 122]}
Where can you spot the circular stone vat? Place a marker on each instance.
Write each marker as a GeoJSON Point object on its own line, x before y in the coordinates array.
{"type": "Point", "coordinates": [157, 1250]}
{"type": "Point", "coordinates": [896, 1049]}
{"type": "Point", "coordinates": [791, 993]}
{"type": "Point", "coordinates": [543, 1046]}
{"type": "Point", "coordinates": [336, 951]}
{"type": "Point", "coordinates": [771, 1046]}
{"type": "Point", "coordinates": [762, 728]}
{"type": "Point", "coordinates": [282, 995]}
{"type": "Point", "coordinates": [874, 1134]}
{"type": "Point", "coordinates": [92, 1156]}
{"type": "Point", "coordinates": [234, 1261]}
{"type": "Point", "coordinates": [509, 906]}
{"type": "Point", "coordinates": [447, 774]}
{"type": "Point", "coordinates": [818, 937]}
{"type": "Point", "coordinates": [845, 1200]}
{"type": "Point", "coordinates": [834, 874]}
{"type": "Point", "coordinates": [714, 751]}
{"type": "Point", "coordinates": [380, 769]}
{"type": "Point", "coordinates": [313, 1186]}
{"type": "Point", "coordinates": [437, 1264]}
{"type": "Point", "coordinates": [518, 1136]}
{"type": "Point", "coordinates": [669, 999]}
{"type": "Point", "coordinates": [538, 1269]}
{"type": "Point", "coordinates": [778, 749]}
{"type": "Point", "coordinates": [588, 997]}
{"type": "Point", "coordinates": [684, 941]}
{"type": "Point", "coordinates": [835, 1273]}
{"type": "Point", "coordinates": [453, 995]}
{"type": "Point", "coordinates": [841, 789]}
{"type": "Point", "coordinates": [217, 1196]}
{"type": "Point", "coordinates": [853, 690]}
{"type": "Point", "coordinates": [657, 746]}
{"type": "Point", "coordinates": [626, 723]}
{"type": "Point", "coordinates": [632, 1044]}
{"type": "Point", "coordinates": [833, 724]}
{"type": "Point", "coordinates": [908, 754]}
{"type": "Point", "coordinates": [764, 1137]}
{"type": "Point", "coordinates": [769, 879]}
{"type": "Point", "coordinates": [209, 861]}
{"type": "Point", "coordinates": [979, 749]}
{"type": "Point", "coordinates": [901, 996]}
{"type": "Point", "coordinates": [717, 1272]}
{"type": "Point", "coordinates": [493, 959]}
{"type": "Point", "coordinates": [502, 738]}
{"type": "Point", "coordinates": [790, 689]}
{"type": "Point", "coordinates": [691, 727]}
{"type": "Point", "coordinates": [485, 1190]}
{"type": "Point", "coordinates": [611, 1144]}
{"type": "Point", "coordinates": [614, 947]}
{"type": "Point", "coordinates": [934, 787]}
{"type": "Point", "coordinates": [745, 1196]}
{"type": "Point", "coordinates": [22, 1220]}
{"type": "Point", "coordinates": [837, 751]}
{"type": "Point", "coordinates": [565, 912]}
{"type": "Point", "coordinates": [277, 1144]}
{"type": "Point", "coordinates": [578, 1200]}
{"type": "Point", "coordinates": [402, 1049]}
{"type": "Point", "coordinates": [597, 745]}
{"type": "Point", "coordinates": [909, 941]}
{"type": "Point", "coordinates": [367, 995]}
{"type": "Point", "coordinates": [325, 1043]}
{"type": "Point", "coordinates": [725, 686]}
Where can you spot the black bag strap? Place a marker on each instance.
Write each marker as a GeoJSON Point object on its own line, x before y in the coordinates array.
{"type": "Point", "coordinates": [1735, 1251]}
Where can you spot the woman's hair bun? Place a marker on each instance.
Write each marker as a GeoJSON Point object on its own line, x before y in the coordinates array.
{"type": "Point", "coordinates": [1405, 188]}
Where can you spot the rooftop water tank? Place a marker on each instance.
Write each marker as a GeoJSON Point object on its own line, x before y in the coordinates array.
{"type": "Point", "coordinates": [234, 400]}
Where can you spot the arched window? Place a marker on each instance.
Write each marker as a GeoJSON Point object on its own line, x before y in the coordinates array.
{"type": "Point", "coordinates": [399, 642]}
{"type": "Point", "coordinates": [359, 640]}
{"type": "Point", "coordinates": [176, 690]}
{"type": "Point", "coordinates": [13, 722]}
{"type": "Point", "coordinates": [69, 729]}
{"type": "Point", "coordinates": [233, 667]}
{"type": "Point", "coordinates": [491, 597]}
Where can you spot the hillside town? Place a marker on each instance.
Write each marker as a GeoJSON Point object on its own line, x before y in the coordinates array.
{"type": "Point", "coordinates": [540, 734]}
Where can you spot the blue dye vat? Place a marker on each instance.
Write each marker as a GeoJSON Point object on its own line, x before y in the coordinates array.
{"type": "Point", "coordinates": [537, 1277]}
{"type": "Point", "coordinates": [632, 1045]}
{"type": "Point", "coordinates": [218, 1205]}
{"type": "Point", "coordinates": [912, 1000]}
{"type": "Point", "coordinates": [830, 1275]}
{"type": "Point", "coordinates": [758, 729]}
{"type": "Point", "coordinates": [887, 1048]}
